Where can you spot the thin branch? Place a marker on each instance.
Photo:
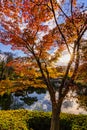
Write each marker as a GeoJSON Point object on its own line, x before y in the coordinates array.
{"type": "Point", "coordinates": [67, 71]}
{"type": "Point", "coordinates": [72, 9]}
{"type": "Point", "coordinates": [76, 49]}
{"type": "Point", "coordinates": [68, 16]}
{"type": "Point", "coordinates": [47, 82]}
{"type": "Point", "coordinates": [78, 55]}
{"type": "Point", "coordinates": [76, 64]}
{"type": "Point", "coordinates": [59, 27]}
{"type": "Point", "coordinates": [63, 12]}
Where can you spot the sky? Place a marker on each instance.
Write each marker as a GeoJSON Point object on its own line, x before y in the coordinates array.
{"type": "Point", "coordinates": [7, 48]}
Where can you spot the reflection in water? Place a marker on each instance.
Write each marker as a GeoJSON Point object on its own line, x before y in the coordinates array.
{"type": "Point", "coordinates": [38, 100]}
{"type": "Point", "coordinates": [5, 101]}
{"type": "Point", "coordinates": [29, 100]}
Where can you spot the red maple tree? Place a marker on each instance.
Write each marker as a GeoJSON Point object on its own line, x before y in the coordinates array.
{"type": "Point", "coordinates": [25, 25]}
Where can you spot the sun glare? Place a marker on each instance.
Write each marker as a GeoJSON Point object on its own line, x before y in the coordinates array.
{"type": "Point", "coordinates": [64, 58]}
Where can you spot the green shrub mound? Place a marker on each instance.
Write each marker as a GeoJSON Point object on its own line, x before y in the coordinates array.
{"type": "Point", "coordinates": [34, 120]}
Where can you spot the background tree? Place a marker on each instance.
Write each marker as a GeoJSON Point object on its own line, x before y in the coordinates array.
{"type": "Point", "coordinates": [26, 27]}
{"type": "Point", "coordinates": [5, 71]}
{"type": "Point", "coordinates": [82, 75]}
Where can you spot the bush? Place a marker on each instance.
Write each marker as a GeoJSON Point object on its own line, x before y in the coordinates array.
{"type": "Point", "coordinates": [13, 120]}
{"type": "Point", "coordinates": [34, 120]}
{"type": "Point", "coordinates": [40, 121]}
{"type": "Point", "coordinates": [80, 123]}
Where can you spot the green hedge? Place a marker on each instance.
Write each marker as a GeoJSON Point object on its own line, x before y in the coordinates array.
{"type": "Point", "coordinates": [34, 120]}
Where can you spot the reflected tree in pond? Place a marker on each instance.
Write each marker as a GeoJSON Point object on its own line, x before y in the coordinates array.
{"type": "Point", "coordinates": [82, 95]}
{"type": "Point", "coordinates": [5, 101]}
{"type": "Point", "coordinates": [29, 100]}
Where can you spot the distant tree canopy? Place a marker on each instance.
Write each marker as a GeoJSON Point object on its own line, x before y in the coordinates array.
{"type": "Point", "coordinates": [82, 72]}
{"type": "Point", "coordinates": [5, 71]}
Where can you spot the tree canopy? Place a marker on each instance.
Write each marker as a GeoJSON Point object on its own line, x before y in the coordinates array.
{"type": "Point", "coordinates": [43, 29]}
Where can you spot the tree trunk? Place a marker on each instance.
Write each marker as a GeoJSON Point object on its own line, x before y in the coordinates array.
{"type": "Point", "coordinates": [55, 121]}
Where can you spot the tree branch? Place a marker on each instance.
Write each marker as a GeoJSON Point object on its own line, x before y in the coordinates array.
{"type": "Point", "coordinates": [59, 27]}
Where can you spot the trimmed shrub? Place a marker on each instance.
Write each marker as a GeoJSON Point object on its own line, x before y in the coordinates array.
{"type": "Point", "coordinates": [35, 120]}
{"type": "Point", "coordinates": [40, 121]}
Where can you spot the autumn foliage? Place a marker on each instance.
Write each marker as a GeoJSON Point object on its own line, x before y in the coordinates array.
{"type": "Point", "coordinates": [42, 29]}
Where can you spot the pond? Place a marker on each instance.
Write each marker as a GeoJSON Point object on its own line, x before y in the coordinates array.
{"type": "Point", "coordinates": [38, 99]}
